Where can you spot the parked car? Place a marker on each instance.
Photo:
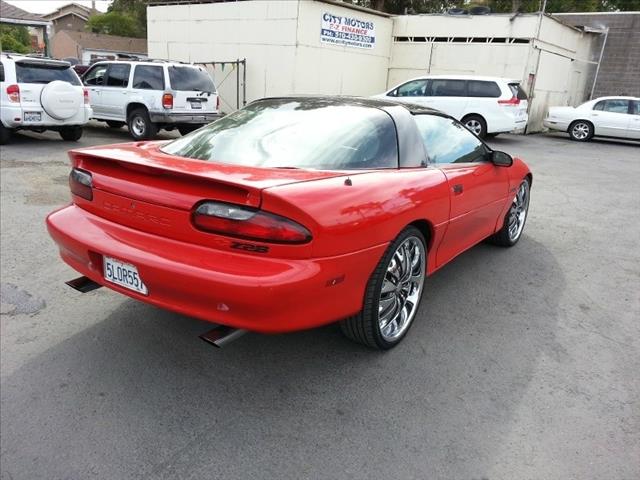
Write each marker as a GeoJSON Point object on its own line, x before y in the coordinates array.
{"type": "Point", "coordinates": [291, 213]}
{"type": "Point", "coordinates": [41, 94]}
{"type": "Point", "coordinates": [487, 106]}
{"type": "Point", "coordinates": [151, 95]}
{"type": "Point", "coordinates": [617, 117]}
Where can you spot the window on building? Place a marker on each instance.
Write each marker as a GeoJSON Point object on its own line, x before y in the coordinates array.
{"type": "Point", "coordinates": [477, 88]}
{"type": "Point", "coordinates": [148, 77]}
{"type": "Point", "coordinates": [448, 88]}
{"type": "Point", "coordinates": [118, 75]}
{"type": "Point", "coordinates": [448, 141]}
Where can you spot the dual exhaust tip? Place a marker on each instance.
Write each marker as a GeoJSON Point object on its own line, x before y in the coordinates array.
{"type": "Point", "coordinates": [219, 336]}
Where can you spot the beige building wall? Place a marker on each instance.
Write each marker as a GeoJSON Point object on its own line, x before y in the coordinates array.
{"type": "Point", "coordinates": [63, 46]}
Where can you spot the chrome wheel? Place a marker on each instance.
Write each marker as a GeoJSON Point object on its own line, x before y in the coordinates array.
{"type": "Point", "coordinates": [138, 126]}
{"type": "Point", "coordinates": [518, 212]}
{"type": "Point", "coordinates": [580, 131]}
{"type": "Point", "coordinates": [474, 126]}
{"type": "Point", "coordinates": [401, 288]}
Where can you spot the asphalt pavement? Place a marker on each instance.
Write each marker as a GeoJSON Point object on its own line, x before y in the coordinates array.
{"type": "Point", "coordinates": [522, 363]}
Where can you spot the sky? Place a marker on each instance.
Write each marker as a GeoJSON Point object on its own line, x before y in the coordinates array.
{"type": "Point", "coordinates": [48, 6]}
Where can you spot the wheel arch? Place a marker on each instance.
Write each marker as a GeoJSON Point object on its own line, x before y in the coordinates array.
{"type": "Point", "coordinates": [472, 114]}
{"type": "Point", "coordinates": [134, 105]}
{"type": "Point", "coordinates": [426, 228]}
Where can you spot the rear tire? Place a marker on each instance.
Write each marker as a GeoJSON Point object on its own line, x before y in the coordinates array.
{"type": "Point", "coordinates": [5, 134]}
{"type": "Point", "coordinates": [581, 131]}
{"type": "Point", "coordinates": [387, 314]}
{"type": "Point", "coordinates": [140, 125]}
{"type": "Point", "coordinates": [71, 134]}
{"type": "Point", "coordinates": [115, 124]}
{"type": "Point", "coordinates": [187, 129]}
{"type": "Point", "coordinates": [476, 125]}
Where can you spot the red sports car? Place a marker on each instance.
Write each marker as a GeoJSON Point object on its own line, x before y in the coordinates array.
{"type": "Point", "coordinates": [291, 213]}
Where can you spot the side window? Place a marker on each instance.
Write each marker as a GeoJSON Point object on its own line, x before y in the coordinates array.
{"type": "Point", "coordinates": [118, 75]}
{"type": "Point", "coordinates": [635, 107]}
{"type": "Point", "coordinates": [448, 88]}
{"type": "Point", "coordinates": [599, 105]}
{"type": "Point", "coordinates": [616, 106]}
{"type": "Point", "coordinates": [477, 88]}
{"type": "Point", "coordinates": [148, 77]}
{"type": "Point", "coordinates": [448, 141]}
{"type": "Point", "coordinates": [95, 76]}
{"type": "Point", "coordinates": [414, 88]}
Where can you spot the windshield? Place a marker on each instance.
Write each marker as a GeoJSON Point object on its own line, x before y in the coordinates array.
{"type": "Point", "coordinates": [33, 73]}
{"type": "Point", "coordinates": [191, 79]}
{"type": "Point", "coordinates": [294, 133]}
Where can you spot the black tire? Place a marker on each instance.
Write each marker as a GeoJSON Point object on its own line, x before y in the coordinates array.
{"type": "Point", "coordinates": [186, 129]}
{"type": "Point", "coordinates": [475, 124]}
{"type": "Point", "coordinates": [502, 236]}
{"type": "Point", "coordinates": [5, 134]}
{"type": "Point", "coordinates": [140, 125]}
{"type": "Point", "coordinates": [71, 134]}
{"type": "Point", "coordinates": [580, 131]}
{"type": "Point", "coordinates": [115, 124]}
{"type": "Point", "coordinates": [364, 327]}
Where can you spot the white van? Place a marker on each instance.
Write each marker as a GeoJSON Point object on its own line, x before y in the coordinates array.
{"type": "Point", "coordinates": [151, 95]}
{"type": "Point", "coordinates": [485, 105]}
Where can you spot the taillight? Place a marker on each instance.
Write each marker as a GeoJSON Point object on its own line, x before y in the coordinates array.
{"type": "Point", "coordinates": [248, 223]}
{"type": "Point", "coordinates": [511, 102]}
{"type": "Point", "coordinates": [81, 183]}
{"type": "Point", "coordinates": [167, 100]}
{"type": "Point", "coordinates": [13, 92]}
{"type": "Point", "coordinates": [86, 96]}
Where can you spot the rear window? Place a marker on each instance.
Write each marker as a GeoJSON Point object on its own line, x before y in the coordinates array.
{"type": "Point", "coordinates": [34, 73]}
{"type": "Point", "coordinates": [448, 88]}
{"type": "Point", "coordinates": [477, 88]}
{"type": "Point", "coordinates": [190, 79]}
{"type": "Point", "coordinates": [517, 91]}
{"type": "Point", "coordinates": [148, 77]}
{"type": "Point", "coordinates": [289, 133]}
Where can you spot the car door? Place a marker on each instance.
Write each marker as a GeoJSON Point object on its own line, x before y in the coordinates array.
{"type": "Point", "coordinates": [413, 91]}
{"type": "Point", "coordinates": [115, 92]}
{"type": "Point", "coordinates": [634, 120]}
{"type": "Point", "coordinates": [477, 188]}
{"type": "Point", "coordinates": [93, 79]}
{"type": "Point", "coordinates": [611, 117]}
{"type": "Point", "coordinates": [448, 95]}
{"type": "Point", "coordinates": [148, 86]}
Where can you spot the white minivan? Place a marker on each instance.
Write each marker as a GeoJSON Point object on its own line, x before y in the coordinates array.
{"type": "Point", "coordinates": [150, 95]}
{"type": "Point", "coordinates": [485, 105]}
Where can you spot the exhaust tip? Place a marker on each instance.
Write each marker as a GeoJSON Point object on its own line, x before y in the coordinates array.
{"type": "Point", "coordinates": [222, 335]}
{"type": "Point", "coordinates": [83, 284]}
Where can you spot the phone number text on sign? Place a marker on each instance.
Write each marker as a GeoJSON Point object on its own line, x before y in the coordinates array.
{"type": "Point", "coordinates": [347, 31]}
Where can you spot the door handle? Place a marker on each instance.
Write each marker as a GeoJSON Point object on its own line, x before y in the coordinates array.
{"type": "Point", "coordinates": [457, 189]}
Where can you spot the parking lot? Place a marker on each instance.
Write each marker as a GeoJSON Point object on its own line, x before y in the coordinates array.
{"type": "Point", "coordinates": [522, 364]}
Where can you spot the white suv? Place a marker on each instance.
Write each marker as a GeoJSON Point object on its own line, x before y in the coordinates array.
{"type": "Point", "coordinates": [485, 105]}
{"type": "Point", "coordinates": [41, 94]}
{"type": "Point", "coordinates": [150, 95]}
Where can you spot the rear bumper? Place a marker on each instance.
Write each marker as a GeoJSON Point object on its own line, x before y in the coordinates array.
{"type": "Point", "coordinates": [507, 124]}
{"type": "Point", "coordinates": [553, 124]}
{"type": "Point", "coordinates": [239, 290]}
{"type": "Point", "coordinates": [191, 118]}
{"type": "Point", "coordinates": [13, 117]}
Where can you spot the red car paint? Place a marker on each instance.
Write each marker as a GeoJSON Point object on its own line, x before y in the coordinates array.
{"type": "Point", "coordinates": [144, 199]}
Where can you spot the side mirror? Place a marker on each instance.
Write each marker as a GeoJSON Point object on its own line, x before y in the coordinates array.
{"type": "Point", "coordinates": [501, 159]}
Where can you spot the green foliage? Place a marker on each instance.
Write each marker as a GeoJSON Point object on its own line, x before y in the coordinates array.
{"type": "Point", "coordinates": [15, 38]}
{"type": "Point", "coordinates": [114, 23]}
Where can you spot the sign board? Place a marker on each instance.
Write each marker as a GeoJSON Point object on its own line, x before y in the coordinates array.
{"type": "Point", "coordinates": [347, 31]}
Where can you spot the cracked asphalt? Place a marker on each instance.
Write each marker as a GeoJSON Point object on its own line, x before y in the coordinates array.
{"type": "Point", "coordinates": [522, 363]}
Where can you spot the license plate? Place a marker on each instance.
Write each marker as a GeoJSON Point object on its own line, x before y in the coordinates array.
{"type": "Point", "coordinates": [123, 274]}
{"type": "Point", "coordinates": [196, 105]}
{"type": "Point", "coordinates": [32, 116]}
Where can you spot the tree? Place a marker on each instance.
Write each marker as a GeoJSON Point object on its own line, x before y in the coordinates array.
{"type": "Point", "coordinates": [15, 38]}
{"type": "Point", "coordinates": [127, 18]}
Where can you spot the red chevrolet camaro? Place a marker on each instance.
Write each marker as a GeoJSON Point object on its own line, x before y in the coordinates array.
{"type": "Point", "coordinates": [291, 213]}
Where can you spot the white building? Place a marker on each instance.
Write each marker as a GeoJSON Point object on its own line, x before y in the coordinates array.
{"type": "Point", "coordinates": [329, 47]}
